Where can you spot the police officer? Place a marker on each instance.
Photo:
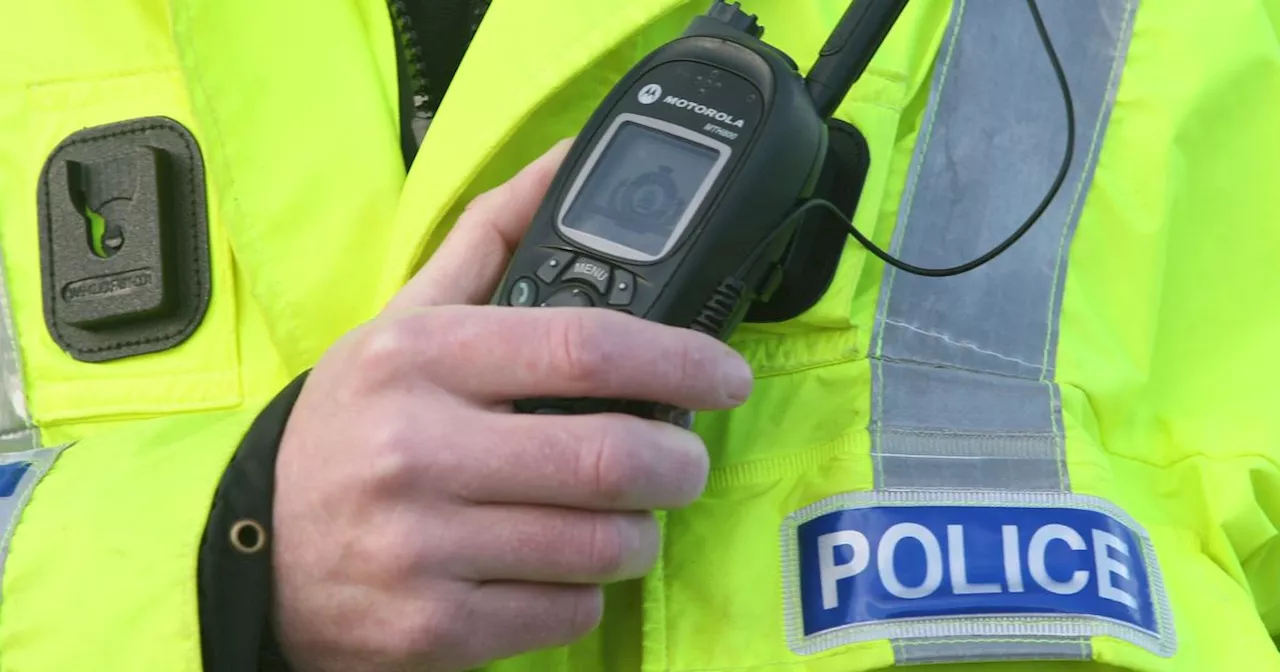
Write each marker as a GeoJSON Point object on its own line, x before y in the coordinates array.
{"type": "Point", "coordinates": [255, 418]}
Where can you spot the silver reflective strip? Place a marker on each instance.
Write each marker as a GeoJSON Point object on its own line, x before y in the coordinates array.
{"type": "Point", "coordinates": [963, 367]}
{"type": "Point", "coordinates": [19, 474]}
{"type": "Point", "coordinates": [16, 431]}
{"type": "Point", "coordinates": [966, 650]}
{"type": "Point", "coordinates": [22, 461]}
{"type": "Point", "coordinates": [952, 428]}
{"type": "Point", "coordinates": [991, 145]}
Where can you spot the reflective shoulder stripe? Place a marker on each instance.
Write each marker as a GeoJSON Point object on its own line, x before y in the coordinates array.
{"type": "Point", "coordinates": [22, 461]}
{"type": "Point", "coordinates": [966, 428]}
{"type": "Point", "coordinates": [16, 430]}
{"type": "Point", "coordinates": [975, 380]}
{"type": "Point", "coordinates": [19, 474]}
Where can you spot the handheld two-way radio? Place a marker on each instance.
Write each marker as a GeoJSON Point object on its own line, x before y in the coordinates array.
{"type": "Point", "coordinates": [678, 200]}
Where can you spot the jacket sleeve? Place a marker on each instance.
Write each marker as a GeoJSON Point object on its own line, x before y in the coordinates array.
{"type": "Point", "coordinates": [124, 559]}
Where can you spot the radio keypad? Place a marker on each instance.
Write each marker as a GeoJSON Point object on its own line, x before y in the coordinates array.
{"type": "Point", "coordinates": [554, 265]}
{"type": "Point", "coordinates": [523, 293]}
{"type": "Point", "coordinates": [623, 288]}
{"type": "Point", "coordinates": [590, 271]}
{"type": "Point", "coordinates": [565, 273]}
{"type": "Point", "coordinates": [569, 298]}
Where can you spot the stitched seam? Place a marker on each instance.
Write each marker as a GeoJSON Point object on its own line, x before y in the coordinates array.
{"type": "Point", "coordinates": [952, 39]}
{"type": "Point", "coordinates": [845, 356]}
{"type": "Point", "coordinates": [878, 366]}
{"type": "Point", "coordinates": [1097, 130]}
{"type": "Point", "coordinates": [928, 641]}
{"type": "Point", "coordinates": [998, 434]}
{"type": "Point", "coordinates": [946, 366]}
{"type": "Point", "coordinates": [777, 467]}
{"type": "Point", "coordinates": [58, 82]}
{"type": "Point", "coordinates": [981, 498]}
{"type": "Point", "coordinates": [900, 647]}
{"type": "Point", "coordinates": [1055, 402]}
{"type": "Point", "coordinates": [13, 359]}
{"type": "Point", "coordinates": [959, 344]}
{"type": "Point", "coordinates": [240, 230]}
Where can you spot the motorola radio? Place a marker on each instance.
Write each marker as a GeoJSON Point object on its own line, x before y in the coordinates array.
{"type": "Point", "coordinates": [680, 197]}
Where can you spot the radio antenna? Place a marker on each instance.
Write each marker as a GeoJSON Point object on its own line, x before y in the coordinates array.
{"type": "Point", "coordinates": [849, 50]}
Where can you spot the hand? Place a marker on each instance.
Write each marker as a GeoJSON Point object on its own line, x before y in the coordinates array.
{"type": "Point", "coordinates": [420, 524]}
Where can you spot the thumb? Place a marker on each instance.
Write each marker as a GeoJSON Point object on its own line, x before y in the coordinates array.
{"type": "Point", "coordinates": [471, 260]}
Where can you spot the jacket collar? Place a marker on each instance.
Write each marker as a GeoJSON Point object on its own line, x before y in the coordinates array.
{"type": "Point", "coordinates": [522, 54]}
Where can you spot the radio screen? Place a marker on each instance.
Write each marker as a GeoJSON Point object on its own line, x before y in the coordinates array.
{"type": "Point", "coordinates": [640, 188]}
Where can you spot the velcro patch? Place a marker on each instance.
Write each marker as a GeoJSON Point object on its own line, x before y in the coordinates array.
{"type": "Point", "coordinates": [920, 565]}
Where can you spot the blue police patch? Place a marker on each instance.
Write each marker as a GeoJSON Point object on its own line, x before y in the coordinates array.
{"type": "Point", "coordinates": [10, 476]}
{"type": "Point", "coordinates": [891, 565]}
{"type": "Point", "coordinates": [19, 473]}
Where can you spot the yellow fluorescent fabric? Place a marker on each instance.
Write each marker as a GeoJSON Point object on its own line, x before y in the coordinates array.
{"type": "Point", "coordinates": [1207, 500]}
{"type": "Point", "coordinates": [1168, 329]}
{"type": "Point", "coordinates": [1163, 359]}
{"type": "Point", "coordinates": [101, 574]}
{"type": "Point", "coordinates": [294, 107]}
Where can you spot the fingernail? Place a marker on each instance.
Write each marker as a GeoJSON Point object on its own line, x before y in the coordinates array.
{"type": "Point", "coordinates": [736, 377]}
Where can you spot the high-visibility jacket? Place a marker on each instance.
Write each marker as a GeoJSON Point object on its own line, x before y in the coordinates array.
{"type": "Point", "coordinates": [1071, 454]}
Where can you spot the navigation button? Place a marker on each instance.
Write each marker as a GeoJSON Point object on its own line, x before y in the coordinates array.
{"type": "Point", "coordinates": [523, 293]}
{"type": "Point", "coordinates": [624, 288]}
{"type": "Point", "coordinates": [552, 267]}
{"type": "Point", "coordinates": [592, 272]}
{"type": "Point", "coordinates": [568, 298]}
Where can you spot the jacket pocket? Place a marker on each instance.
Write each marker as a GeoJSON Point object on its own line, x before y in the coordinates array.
{"type": "Point", "coordinates": [202, 371]}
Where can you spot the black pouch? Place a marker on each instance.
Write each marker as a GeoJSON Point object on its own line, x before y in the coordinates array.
{"type": "Point", "coordinates": [810, 261]}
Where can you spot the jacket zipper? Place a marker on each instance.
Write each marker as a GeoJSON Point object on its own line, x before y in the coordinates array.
{"type": "Point", "coordinates": [426, 64]}
{"type": "Point", "coordinates": [411, 69]}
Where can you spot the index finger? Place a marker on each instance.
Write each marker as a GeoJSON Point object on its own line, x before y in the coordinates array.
{"type": "Point", "coordinates": [474, 254]}
{"type": "Point", "coordinates": [501, 354]}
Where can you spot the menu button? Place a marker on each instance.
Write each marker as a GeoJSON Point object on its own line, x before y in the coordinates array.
{"type": "Point", "coordinates": [591, 272]}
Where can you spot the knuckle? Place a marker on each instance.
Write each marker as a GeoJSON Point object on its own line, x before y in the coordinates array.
{"type": "Point", "coordinates": [417, 633]}
{"type": "Point", "coordinates": [381, 351]}
{"type": "Point", "coordinates": [609, 466]}
{"type": "Point", "coordinates": [393, 459]}
{"type": "Point", "coordinates": [607, 547]}
{"type": "Point", "coordinates": [691, 363]}
{"type": "Point", "coordinates": [391, 552]}
{"type": "Point", "coordinates": [577, 346]}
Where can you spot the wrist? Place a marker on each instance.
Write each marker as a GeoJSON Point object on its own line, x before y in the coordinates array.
{"type": "Point", "coordinates": [235, 566]}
